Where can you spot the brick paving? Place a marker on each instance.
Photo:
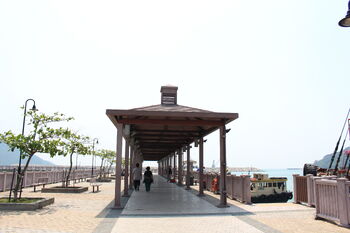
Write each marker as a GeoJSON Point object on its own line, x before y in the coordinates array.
{"type": "Point", "coordinates": [92, 212]}
{"type": "Point", "coordinates": [70, 213]}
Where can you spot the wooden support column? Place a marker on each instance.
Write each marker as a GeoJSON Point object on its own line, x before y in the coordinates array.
{"type": "Point", "coordinates": [201, 193]}
{"type": "Point", "coordinates": [118, 167]}
{"type": "Point", "coordinates": [158, 167]}
{"type": "Point", "coordinates": [223, 198]}
{"type": "Point", "coordinates": [169, 164]}
{"type": "Point", "coordinates": [131, 167]}
{"type": "Point", "coordinates": [140, 160]}
{"type": "Point", "coordinates": [126, 173]}
{"type": "Point", "coordinates": [188, 174]}
{"type": "Point", "coordinates": [179, 176]}
{"type": "Point", "coordinates": [166, 166]}
{"type": "Point", "coordinates": [174, 165]}
{"type": "Point", "coordinates": [162, 167]}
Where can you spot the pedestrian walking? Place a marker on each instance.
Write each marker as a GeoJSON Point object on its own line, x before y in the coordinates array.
{"type": "Point", "coordinates": [137, 175]}
{"type": "Point", "coordinates": [169, 173]}
{"type": "Point", "coordinates": [148, 179]}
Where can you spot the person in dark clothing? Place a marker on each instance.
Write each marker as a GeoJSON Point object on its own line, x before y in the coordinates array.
{"type": "Point", "coordinates": [148, 179]}
{"type": "Point", "coordinates": [169, 173]}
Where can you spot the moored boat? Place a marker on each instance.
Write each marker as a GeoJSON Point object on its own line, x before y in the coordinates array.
{"type": "Point", "coordinates": [269, 190]}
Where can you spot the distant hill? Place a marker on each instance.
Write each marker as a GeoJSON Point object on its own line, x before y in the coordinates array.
{"type": "Point", "coordinates": [326, 160]}
{"type": "Point", "coordinates": [10, 158]}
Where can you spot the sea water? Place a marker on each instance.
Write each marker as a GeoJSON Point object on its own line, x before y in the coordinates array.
{"type": "Point", "coordinates": [288, 173]}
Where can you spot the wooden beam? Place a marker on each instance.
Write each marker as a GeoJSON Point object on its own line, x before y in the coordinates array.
{"type": "Point", "coordinates": [217, 115]}
{"type": "Point", "coordinates": [159, 145]}
{"type": "Point", "coordinates": [171, 122]}
{"type": "Point", "coordinates": [161, 140]}
{"type": "Point", "coordinates": [154, 152]}
{"type": "Point", "coordinates": [171, 136]}
{"type": "Point", "coordinates": [164, 131]}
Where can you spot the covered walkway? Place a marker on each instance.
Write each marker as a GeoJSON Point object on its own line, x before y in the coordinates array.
{"type": "Point", "coordinates": [163, 133]}
{"type": "Point", "coordinates": [170, 199]}
{"type": "Point", "coordinates": [171, 208]}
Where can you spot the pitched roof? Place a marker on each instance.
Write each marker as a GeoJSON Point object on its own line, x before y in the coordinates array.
{"type": "Point", "coordinates": [169, 108]}
{"type": "Point", "coordinates": [160, 130]}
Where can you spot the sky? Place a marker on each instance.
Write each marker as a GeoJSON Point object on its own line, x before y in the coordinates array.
{"type": "Point", "coordinates": [282, 65]}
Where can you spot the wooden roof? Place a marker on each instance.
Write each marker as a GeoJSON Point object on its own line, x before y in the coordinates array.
{"type": "Point", "coordinates": [160, 130]}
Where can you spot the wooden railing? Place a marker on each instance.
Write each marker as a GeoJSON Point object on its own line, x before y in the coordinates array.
{"type": "Point", "coordinates": [238, 188]}
{"type": "Point", "coordinates": [330, 196]}
{"type": "Point", "coordinates": [333, 200]}
{"type": "Point", "coordinates": [300, 189]}
{"type": "Point", "coordinates": [304, 188]}
{"type": "Point", "coordinates": [54, 176]}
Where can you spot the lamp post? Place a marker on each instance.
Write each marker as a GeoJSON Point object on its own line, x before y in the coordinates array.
{"type": "Point", "coordinates": [20, 152]}
{"type": "Point", "coordinates": [346, 21]}
{"type": "Point", "coordinates": [76, 162]}
{"type": "Point", "coordinates": [93, 155]}
{"type": "Point", "coordinates": [24, 121]}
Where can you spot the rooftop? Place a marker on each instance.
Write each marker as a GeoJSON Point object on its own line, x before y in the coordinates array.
{"type": "Point", "coordinates": [160, 130]}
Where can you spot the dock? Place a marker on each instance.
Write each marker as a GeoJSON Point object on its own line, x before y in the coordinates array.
{"type": "Point", "coordinates": [168, 208]}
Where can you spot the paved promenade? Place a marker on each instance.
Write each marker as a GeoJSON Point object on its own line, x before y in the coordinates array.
{"type": "Point", "coordinates": [167, 208]}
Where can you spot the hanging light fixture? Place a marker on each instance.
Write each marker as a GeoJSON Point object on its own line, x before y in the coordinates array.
{"type": "Point", "coordinates": [346, 21]}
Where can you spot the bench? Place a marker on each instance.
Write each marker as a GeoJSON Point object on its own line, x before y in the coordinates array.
{"type": "Point", "coordinates": [94, 185]}
{"type": "Point", "coordinates": [41, 181]}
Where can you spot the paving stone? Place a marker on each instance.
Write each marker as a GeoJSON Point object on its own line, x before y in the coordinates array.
{"type": "Point", "coordinates": [168, 208]}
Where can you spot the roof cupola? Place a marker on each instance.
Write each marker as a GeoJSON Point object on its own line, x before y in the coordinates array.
{"type": "Point", "coordinates": [169, 95]}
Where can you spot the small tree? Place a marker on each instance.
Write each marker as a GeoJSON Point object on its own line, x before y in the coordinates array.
{"type": "Point", "coordinates": [105, 155]}
{"type": "Point", "coordinates": [41, 139]}
{"type": "Point", "coordinates": [73, 143]}
{"type": "Point", "coordinates": [110, 164]}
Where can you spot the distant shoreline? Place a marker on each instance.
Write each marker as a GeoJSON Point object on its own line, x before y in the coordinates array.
{"type": "Point", "coordinates": [235, 169]}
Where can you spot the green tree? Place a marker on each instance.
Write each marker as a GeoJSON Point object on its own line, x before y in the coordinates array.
{"type": "Point", "coordinates": [110, 164]}
{"type": "Point", "coordinates": [106, 156]}
{"type": "Point", "coordinates": [72, 143]}
{"type": "Point", "coordinates": [41, 139]}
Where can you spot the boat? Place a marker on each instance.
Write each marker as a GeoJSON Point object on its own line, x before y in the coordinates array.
{"type": "Point", "coordinates": [269, 190]}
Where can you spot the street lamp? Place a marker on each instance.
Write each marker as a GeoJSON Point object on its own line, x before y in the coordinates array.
{"type": "Point", "coordinates": [20, 152]}
{"type": "Point", "coordinates": [24, 120]}
{"type": "Point", "coordinates": [93, 155]}
{"type": "Point", "coordinates": [346, 21]}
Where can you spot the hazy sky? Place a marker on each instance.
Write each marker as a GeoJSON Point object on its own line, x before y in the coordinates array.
{"type": "Point", "coordinates": [283, 65]}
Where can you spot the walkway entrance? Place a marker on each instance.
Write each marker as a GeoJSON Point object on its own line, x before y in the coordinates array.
{"type": "Point", "coordinates": [170, 199]}
{"type": "Point", "coordinates": [163, 133]}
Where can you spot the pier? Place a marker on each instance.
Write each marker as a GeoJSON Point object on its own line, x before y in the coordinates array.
{"type": "Point", "coordinates": [167, 208]}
